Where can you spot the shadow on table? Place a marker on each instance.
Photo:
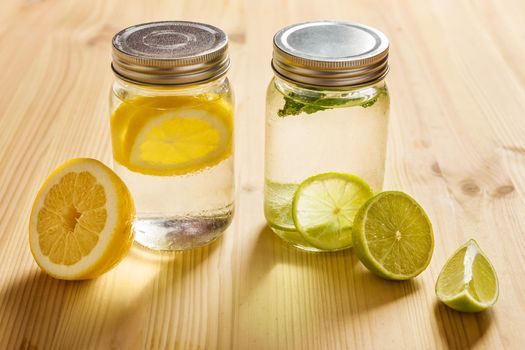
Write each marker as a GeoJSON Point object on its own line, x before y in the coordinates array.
{"type": "Point", "coordinates": [461, 330]}
{"type": "Point", "coordinates": [284, 290]}
{"type": "Point", "coordinates": [156, 313]}
{"type": "Point", "coordinates": [32, 308]}
{"type": "Point", "coordinates": [332, 276]}
{"type": "Point", "coordinates": [38, 311]}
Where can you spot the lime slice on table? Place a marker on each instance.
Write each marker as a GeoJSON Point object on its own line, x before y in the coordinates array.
{"type": "Point", "coordinates": [393, 236]}
{"type": "Point", "coordinates": [324, 207]}
{"type": "Point", "coordinates": [468, 282]}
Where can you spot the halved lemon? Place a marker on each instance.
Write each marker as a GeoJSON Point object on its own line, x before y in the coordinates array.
{"type": "Point", "coordinates": [80, 224]}
{"type": "Point", "coordinates": [172, 135]}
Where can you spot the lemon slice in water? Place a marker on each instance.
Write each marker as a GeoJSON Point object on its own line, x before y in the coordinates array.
{"type": "Point", "coordinates": [171, 135]}
{"type": "Point", "coordinates": [80, 224]}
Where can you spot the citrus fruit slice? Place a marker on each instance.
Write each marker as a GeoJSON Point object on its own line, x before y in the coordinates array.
{"type": "Point", "coordinates": [294, 238]}
{"type": "Point", "coordinates": [278, 199]}
{"type": "Point", "coordinates": [393, 236]}
{"type": "Point", "coordinates": [80, 224]}
{"type": "Point", "coordinates": [468, 281]}
{"type": "Point", "coordinates": [324, 207]}
{"type": "Point", "coordinates": [171, 135]}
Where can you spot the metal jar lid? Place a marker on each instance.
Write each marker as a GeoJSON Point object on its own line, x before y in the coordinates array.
{"type": "Point", "coordinates": [330, 54]}
{"type": "Point", "coordinates": [170, 53]}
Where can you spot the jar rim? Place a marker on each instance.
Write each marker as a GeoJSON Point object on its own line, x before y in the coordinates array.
{"type": "Point", "coordinates": [330, 54]}
{"type": "Point", "coordinates": [170, 53]}
{"type": "Point", "coordinates": [343, 87]}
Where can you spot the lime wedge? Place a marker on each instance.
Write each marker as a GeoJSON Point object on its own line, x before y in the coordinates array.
{"type": "Point", "coordinates": [468, 282]}
{"type": "Point", "coordinates": [278, 205]}
{"type": "Point", "coordinates": [393, 236]}
{"type": "Point", "coordinates": [324, 207]}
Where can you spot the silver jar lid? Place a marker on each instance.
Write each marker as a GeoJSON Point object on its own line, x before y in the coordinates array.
{"type": "Point", "coordinates": [330, 54]}
{"type": "Point", "coordinates": [170, 53]}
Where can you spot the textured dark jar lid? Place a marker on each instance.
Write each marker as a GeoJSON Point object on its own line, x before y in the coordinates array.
{"type": "Point", "coordinates": [170, 53]}
{"type": "Point", "coordinates": [330, 54]}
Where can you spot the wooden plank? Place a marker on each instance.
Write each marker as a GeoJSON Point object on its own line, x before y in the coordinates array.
{"type": "Point", "coordinates": [456, 144]}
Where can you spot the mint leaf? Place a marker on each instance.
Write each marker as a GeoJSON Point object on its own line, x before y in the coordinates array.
{"type": "Point", "coordinates": [293, 107]}
{"type": "Point", "coordinates": [370, 102]}
{"type": "Point", "coordinates": [295, 104]}
{"type": "Point", "coordinates": [374, 99]}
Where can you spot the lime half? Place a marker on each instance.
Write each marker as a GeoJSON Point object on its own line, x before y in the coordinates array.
{"type": "Point", "coordinates": [468, 282]}
{"type": "Point", "coordinates": [393, 236]}
{"type": "Point", "coordinates": [324, 207]}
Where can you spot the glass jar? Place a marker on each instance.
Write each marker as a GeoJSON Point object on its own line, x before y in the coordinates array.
{"type": "Point", "coordinates": [327, 112]}
{"type": "Point", "coordinates": [172, 131]}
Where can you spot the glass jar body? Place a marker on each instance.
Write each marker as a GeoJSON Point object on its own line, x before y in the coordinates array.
{"type": "Point", "coordinates": [173, 147]}
{"type": "Point", "coordinates": [315, 130]}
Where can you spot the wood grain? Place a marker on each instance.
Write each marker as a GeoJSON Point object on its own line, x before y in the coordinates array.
{"type": "Point", "coordinates": [456, 144]}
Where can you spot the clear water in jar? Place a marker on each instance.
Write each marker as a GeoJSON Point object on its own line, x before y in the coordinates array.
{"type": "Point", "coordinates": [175, 155]}
{"type": "Point", "coordinates": [338, 132]}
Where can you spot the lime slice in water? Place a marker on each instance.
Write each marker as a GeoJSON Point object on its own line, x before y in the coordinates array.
{"type": "Point", "coordinates": [468, 282]}
{"type": "Point", "coordinates": [278, 205]}
{"type": "Point", "coordinates": [393, 236]}
{"type": "Point", "coordinates": [294, 238]}
{"type": "Point", "coordinates": [324, 207]}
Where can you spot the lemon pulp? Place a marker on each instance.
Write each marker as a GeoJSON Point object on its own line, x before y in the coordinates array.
{"type": "Point", "coordinates": [172, 135]}
{"type": "Point", "coordinates": [72, 218]}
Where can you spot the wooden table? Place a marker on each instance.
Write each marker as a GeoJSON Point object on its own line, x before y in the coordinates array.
{"type": "Point", "coordinates": [457, 144]}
